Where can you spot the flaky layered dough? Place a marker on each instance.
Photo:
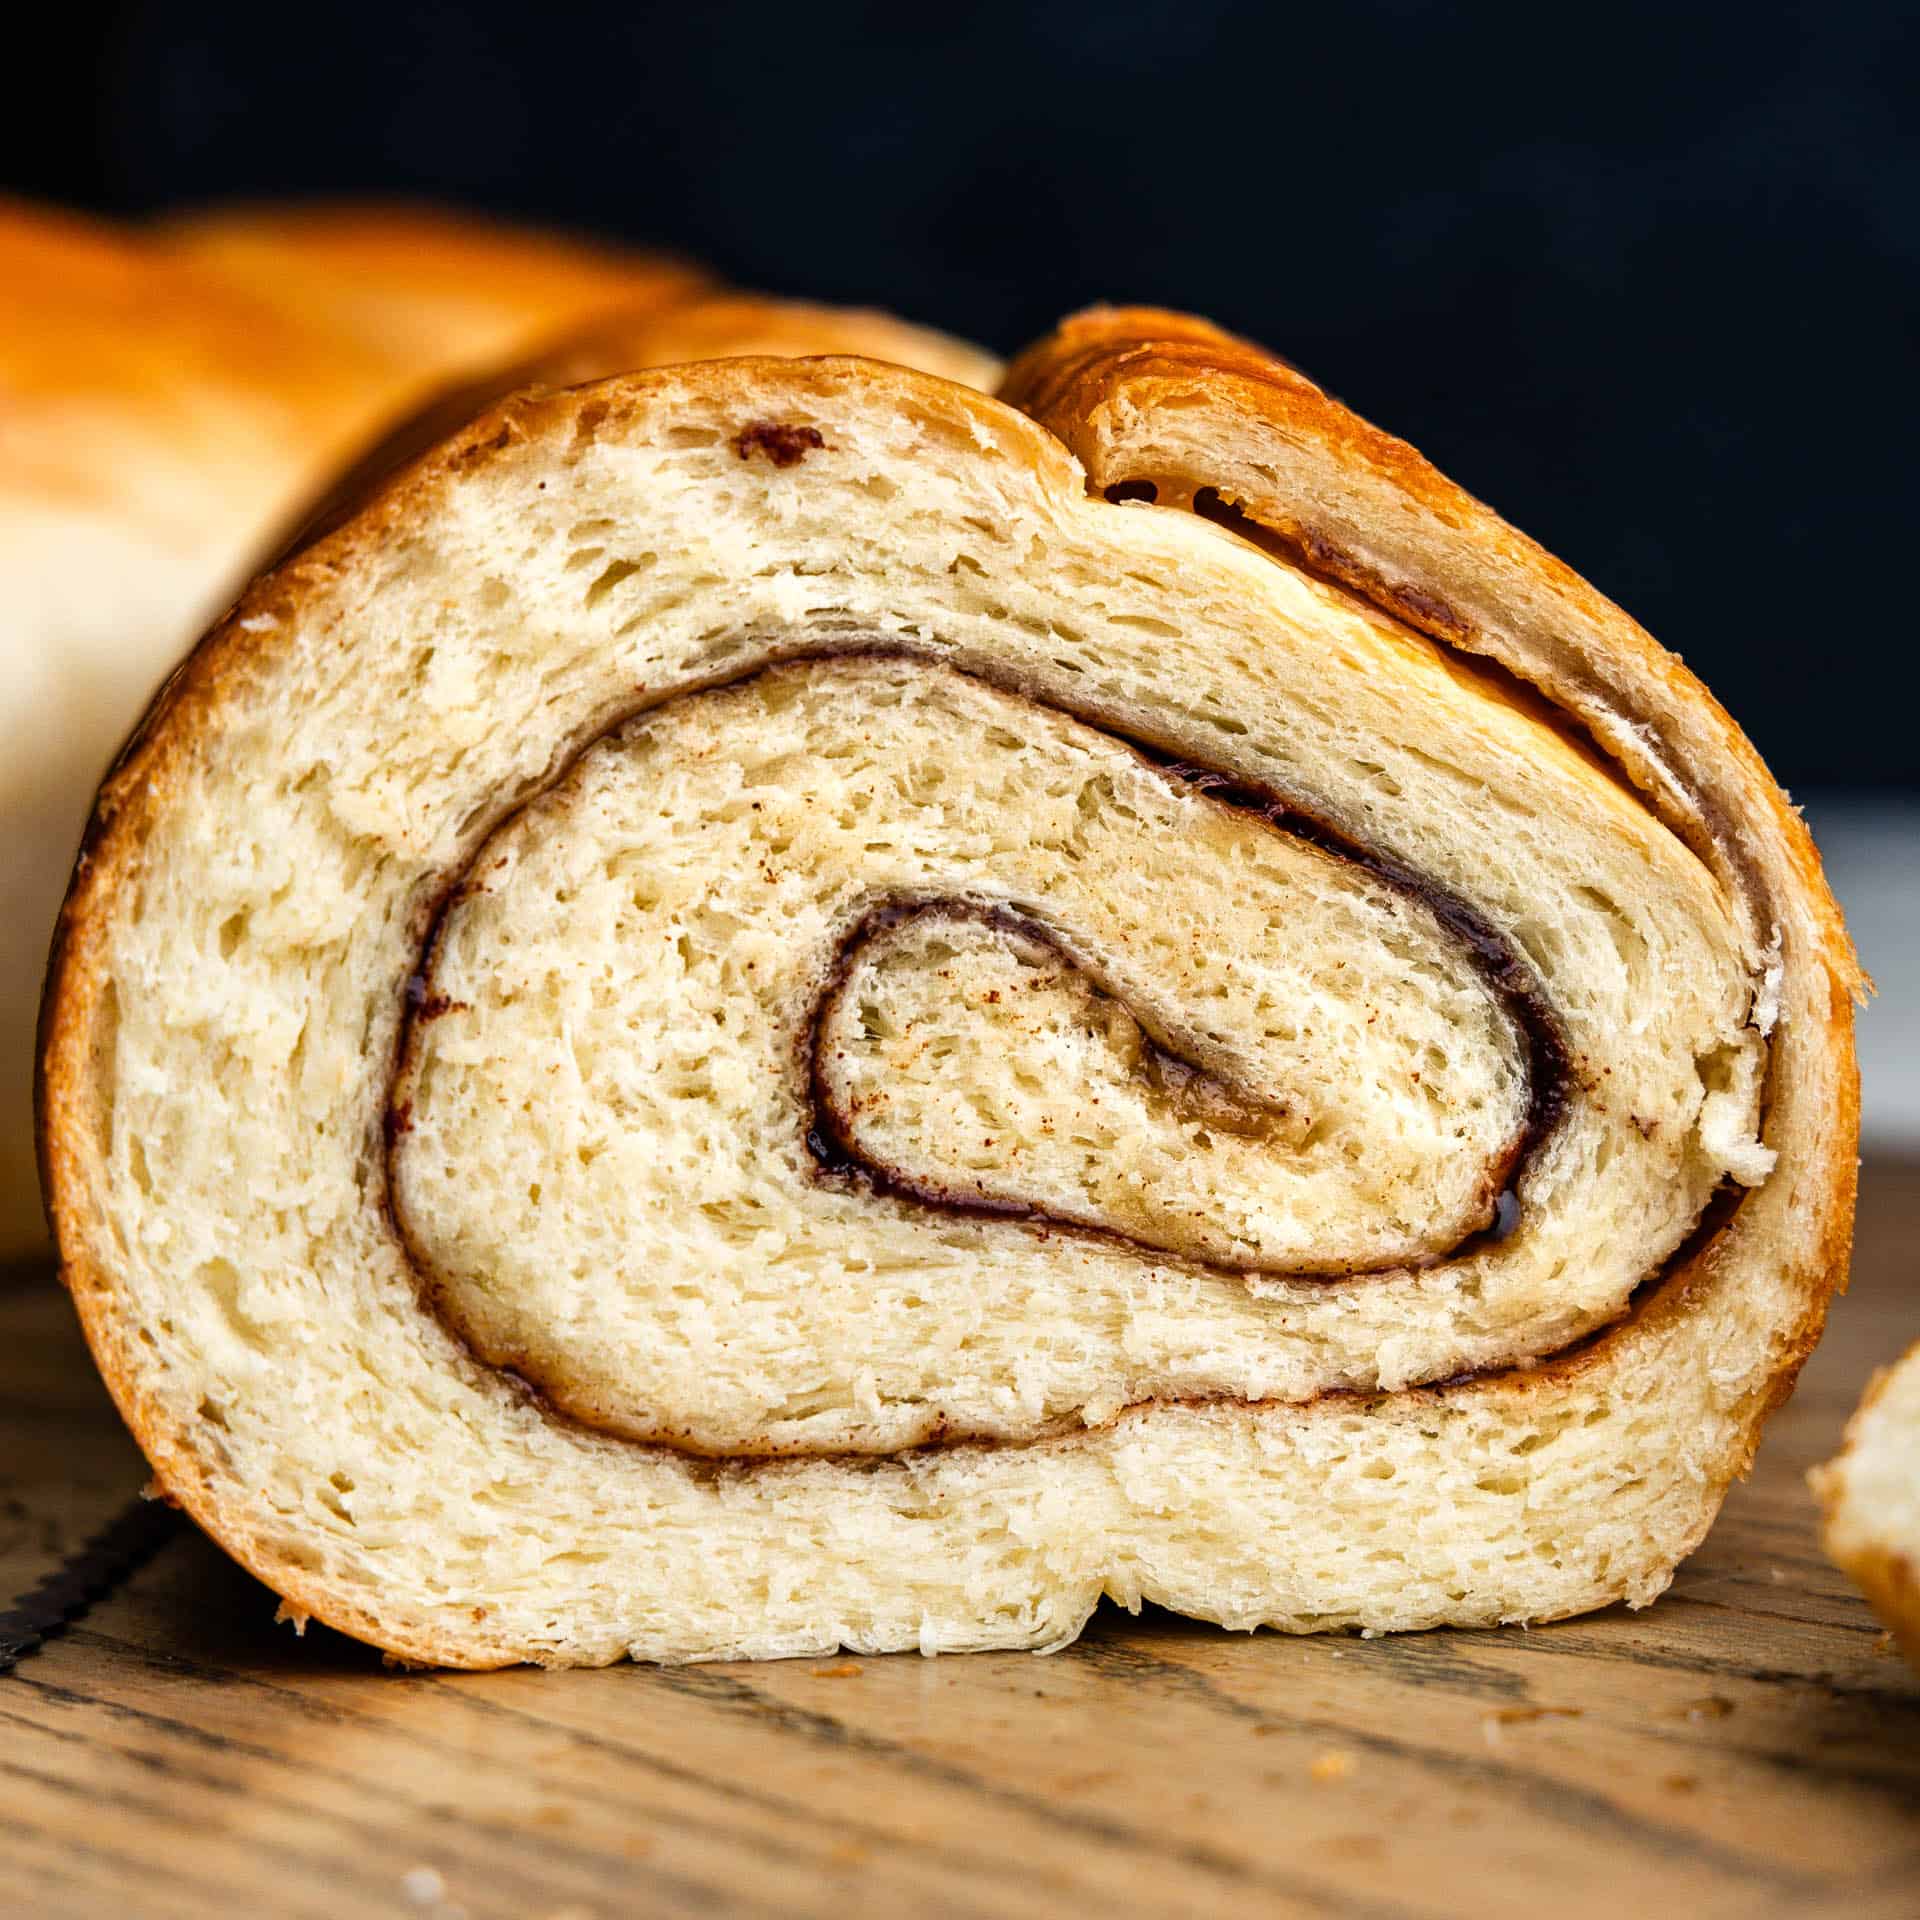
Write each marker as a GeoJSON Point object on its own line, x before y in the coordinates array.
{"type": "Point", "coordinates": [744, 1018]}
{"type": "Point", "coordinates": [1871, 1496]}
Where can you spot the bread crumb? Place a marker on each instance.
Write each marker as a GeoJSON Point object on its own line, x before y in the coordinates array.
{"type": "Point", "coordinates": [1713, 1706]}
{"type": "Point", "coordinates": [1515, 1716]}
{"type": "Point", "coordinates": [1331, 1765]}
{"type": "Point", "coordinates": [423, 1886]}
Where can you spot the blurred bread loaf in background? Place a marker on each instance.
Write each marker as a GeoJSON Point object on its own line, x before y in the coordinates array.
{"type": "Point", "coordinates": [176, 400]}
{"type": "Point", "coordinates": [424, 288]}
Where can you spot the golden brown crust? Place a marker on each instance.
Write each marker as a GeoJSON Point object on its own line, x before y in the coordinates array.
{"type": "Point", "coordinates": [126, 377]}
{"type": "Point", "coordinates": [1807, 1233]}
{"type": "Point", "coordinates": [436, 291]}
{"type": "Point", "coordinates": [1891, 1583]}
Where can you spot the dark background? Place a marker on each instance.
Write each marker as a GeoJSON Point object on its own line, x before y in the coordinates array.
{"type": "Point", "coordinates": [1644, 277]}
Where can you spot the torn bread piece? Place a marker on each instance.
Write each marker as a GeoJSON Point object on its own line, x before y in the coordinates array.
{"type": "Point", "coordinates": [1871, 1496]}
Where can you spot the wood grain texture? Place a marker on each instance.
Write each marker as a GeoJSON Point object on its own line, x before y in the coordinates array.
{"type": "Point", "coordinates": [1748, 1746]}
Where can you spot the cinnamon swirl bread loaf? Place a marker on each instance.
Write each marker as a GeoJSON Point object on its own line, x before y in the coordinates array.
{"type": "Point", "coordinates": [773, 1005]}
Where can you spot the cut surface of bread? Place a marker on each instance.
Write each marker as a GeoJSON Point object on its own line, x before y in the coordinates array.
{"type": "Point", "coordinates": [758, 1011]}
{"type": "Point", "coordinates": [1871, 1494]}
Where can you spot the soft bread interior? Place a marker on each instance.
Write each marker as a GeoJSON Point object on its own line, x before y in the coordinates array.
{"type": "Point", "coordinates": [538, 673]}
{"type": "Point", "coordinates": [620, 1004]}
